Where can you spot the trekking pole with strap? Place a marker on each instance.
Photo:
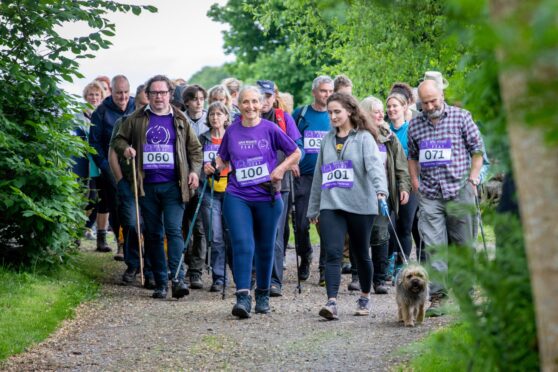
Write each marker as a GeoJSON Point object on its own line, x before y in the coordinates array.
{"type": "Point", "coordinates": [481, 226]}
{"type": "Point", "coordinates": [138, 228]}
{"type": "Point", "coordinates": [191, 229]}
{"type": "Point", "coordinates": [384, 210]}
{"type": "Point", "coordinates": [295, 231]}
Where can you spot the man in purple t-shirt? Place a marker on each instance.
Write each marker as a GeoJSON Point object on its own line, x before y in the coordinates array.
{"type": "Point", "coordinates": [169, 159]}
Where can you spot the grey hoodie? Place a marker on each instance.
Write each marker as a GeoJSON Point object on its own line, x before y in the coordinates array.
{"type": "Point", "coordinates": [369, 176]}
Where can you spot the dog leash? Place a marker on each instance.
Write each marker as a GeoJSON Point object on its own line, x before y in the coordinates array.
{"type": "Point", "coordinates": [384, 210]}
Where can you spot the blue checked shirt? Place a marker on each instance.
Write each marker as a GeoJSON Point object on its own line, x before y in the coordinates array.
{"type": "Point", "coordinates": [445, 180]}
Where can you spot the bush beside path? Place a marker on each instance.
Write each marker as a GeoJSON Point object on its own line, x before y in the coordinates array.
{"type": "Point", "coordinates": [125, 329]}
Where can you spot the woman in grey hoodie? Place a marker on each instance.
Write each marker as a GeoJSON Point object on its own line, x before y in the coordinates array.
{"type": "Point", "coordinates": [349, 180]}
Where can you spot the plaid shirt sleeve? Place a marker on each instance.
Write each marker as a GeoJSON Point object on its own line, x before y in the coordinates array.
{"type": "Point", "coordinates": [471, 135]}
{"type": "Point", "coordinates": [412, 146]}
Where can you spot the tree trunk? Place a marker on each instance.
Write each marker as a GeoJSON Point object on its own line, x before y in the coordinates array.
{"type": "Point", "coordinates": [536, 175]}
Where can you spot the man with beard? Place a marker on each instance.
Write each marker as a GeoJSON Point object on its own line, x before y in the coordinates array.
{"type": "Point", "coordinates": [445, 153]}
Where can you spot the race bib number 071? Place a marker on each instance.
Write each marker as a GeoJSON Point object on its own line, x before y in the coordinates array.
{"type": "Point", "coordinates": [338, 174]}
{"type": "Point", "coordinates": [435, 153]}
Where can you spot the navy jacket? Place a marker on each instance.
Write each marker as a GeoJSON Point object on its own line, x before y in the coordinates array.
{"type": "Point", "coordinates": [103, 120]}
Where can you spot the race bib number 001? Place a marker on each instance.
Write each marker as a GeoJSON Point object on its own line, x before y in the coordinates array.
{"type": "Point", "coordinates": [338, 174]}
{"type": "Point", "coordinates": [253, 175]}
{"type": "Point", "coordinates": [158, 157]}
{"type": "Point", "coordinates": [209, 152]}
{"type": "Point", "coordinates": [313, 141]}
{"type": "Point", "coordinates": [435, 153]}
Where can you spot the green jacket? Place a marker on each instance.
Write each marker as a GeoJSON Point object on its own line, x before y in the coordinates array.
{"type": "Point", "coordinates": [188, 154]}
{"type": "Point", "coordinates": [398, 178]}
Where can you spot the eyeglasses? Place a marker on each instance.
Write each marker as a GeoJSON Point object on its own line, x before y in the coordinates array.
{"type": "Point", "coordinates": [161, 93]}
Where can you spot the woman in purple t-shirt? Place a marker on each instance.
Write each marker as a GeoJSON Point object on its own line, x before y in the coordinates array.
{"type": "Point", "coordinates": [252, 203]}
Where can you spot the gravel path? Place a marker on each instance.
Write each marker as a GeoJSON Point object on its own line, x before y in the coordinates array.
{"type": "Point", "coordinates": [127, 330]}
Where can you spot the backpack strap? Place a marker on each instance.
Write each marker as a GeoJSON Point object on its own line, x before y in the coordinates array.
{"type": "Point", "coordinates": [300, 117]}
{"type": "Point", "coordinates": [280, 116]}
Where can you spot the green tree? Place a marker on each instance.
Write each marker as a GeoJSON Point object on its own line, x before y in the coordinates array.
{"type": "Point", "coordinates": [209, 76]}
{"type": "Point", "coordinates": [40, 201]}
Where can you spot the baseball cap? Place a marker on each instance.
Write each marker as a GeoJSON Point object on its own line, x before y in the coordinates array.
{"type": "Point", "coordinates": [266, 86]}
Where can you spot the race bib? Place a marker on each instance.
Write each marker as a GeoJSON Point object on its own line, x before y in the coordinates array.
{"type": "Point", "coordinates": [435, 153]}
{"type": "Point", "coordinates": [338, 174]}
{"type": "Point", "coordinates": [252, 175]}
{"type": "Point", "coordinates": [383, 153]}
{"type": "Point", "coordinates": [313, 141]}
{"type": "Point", "coordinates": [209, 152]}
{"type": "Point", "coordinates": [158, 157]}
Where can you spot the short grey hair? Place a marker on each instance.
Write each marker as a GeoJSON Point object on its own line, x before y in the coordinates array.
{"type": "Point", "coordinates": [116, 78]}
{"type": "Point", "coordinates": [323, 79]}
{"type": "Point", "coordinates": [250, 88]}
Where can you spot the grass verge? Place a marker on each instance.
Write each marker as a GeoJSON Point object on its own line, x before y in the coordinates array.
{"type": "Point", "coordinates": [32, 304]}
{"type": "Point", "coordinates": [443, 350]}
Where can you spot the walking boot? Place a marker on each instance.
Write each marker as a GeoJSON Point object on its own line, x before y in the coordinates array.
{"type": "Point", "coordinates": [304, 269]}
{"type": "Point", "coordinates": [354, 285]}
{"type": "Point", "coordinates": [102, 245]}
{"type": "Point", "coordinates": [179, 289]}
{"type": "Point", "coordinates": [243, 305]}
{"type": "Point", "coordinates": [321, 281]}
{"type": "Point", "coordinates": [119, 256]}
{"type": "Point", "coordinates": [262, 301]}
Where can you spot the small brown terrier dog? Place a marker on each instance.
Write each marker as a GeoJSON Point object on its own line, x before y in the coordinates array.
{"type": "Point", "coordinates": [411, 293]}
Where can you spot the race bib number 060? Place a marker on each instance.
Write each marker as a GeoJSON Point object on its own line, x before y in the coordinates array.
{"type": "Point", "coordinates": [338, 174]}
{"type": "Point", "coordinates": [253, 175]}
{"type": "Point", "coordinates": [158, 157]}
{"type": "Point", "coordinates": [435, 153]}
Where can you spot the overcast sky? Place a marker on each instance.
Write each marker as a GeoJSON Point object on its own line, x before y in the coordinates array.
{"type": "Point", "coordinates": [177, 41]}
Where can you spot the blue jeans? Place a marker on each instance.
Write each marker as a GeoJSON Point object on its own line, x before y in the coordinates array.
{"type": "Point", "coordinates": [162, 210]}
{"type": "Point", "coordinates": [220, 240]}
{"type": "Point", "coordinates": [253, 227]}
{"type": "Point", "coordinates": [127, 210]}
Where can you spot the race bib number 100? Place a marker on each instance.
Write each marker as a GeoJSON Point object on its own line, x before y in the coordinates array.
{"type": "Point", "coordinates": [338, 174]}
{"type": "Point", "coordinates": [435, 153]}
{"type": "Point", "coordinates": [158, 157]}
{"type": "Point", "coordinates": [252, 175]}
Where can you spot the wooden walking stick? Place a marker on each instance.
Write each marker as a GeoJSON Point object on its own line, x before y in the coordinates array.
{"type": "Point", "coordinates": [138, 229]}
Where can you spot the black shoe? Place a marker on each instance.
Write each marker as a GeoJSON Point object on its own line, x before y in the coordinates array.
{"type": "Point", "coordinates": [149, 283]}
{"type": "Point", "coordinates": [354, 285]}
{"type": "Point", "coordinates": [346, 268]}
{"type": "Point", "coordinates": [179, 289]}
{"type": "Point", "coordinates": [243, 305]}
{"type": "Point", "coordinates": [275, 291]}
{"type": "Point", "coordinates": [304, 269]}
{"type": "Point", "coordinates": [160, 292]}
{"type": "Point", "coordinates": [216, 287]}
{"type": "Point", "coordinates": [129, 276]}
{"type": "Point", "coordinates": [380, 288]}
{"type": "Point", "coordinates": [102, 245]}
{"type": "Point", "coordinates": [262, 301]}
{"type": "Point", "coordinates": [321, 281]}
{"type": "Point", "coordinates": [196, 281]}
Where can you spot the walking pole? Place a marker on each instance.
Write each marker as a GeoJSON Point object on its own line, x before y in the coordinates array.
{"type": "Point", "coordinates": [295, 230]}
{"type": "Point", "coordinates": [225, 270]}
{"type": "Point", "coordinates": [137, 218]}
{"type": "Point", "coordinates": [190, 230]}
{"type": "Point", "coordinates": [477, 202]}
{"type": "Point", "coordinates": [210, 227]}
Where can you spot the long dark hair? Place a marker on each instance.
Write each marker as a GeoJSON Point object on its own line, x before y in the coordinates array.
{"type": "Point", "coordinates": [358, 118]}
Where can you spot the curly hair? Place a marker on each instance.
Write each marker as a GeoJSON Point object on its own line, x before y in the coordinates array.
{"type": "Point", "coordinates": [359, 120]}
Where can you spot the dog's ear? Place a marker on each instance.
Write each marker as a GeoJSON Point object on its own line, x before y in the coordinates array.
{"type": "Point", "coordinates": [399, 277]}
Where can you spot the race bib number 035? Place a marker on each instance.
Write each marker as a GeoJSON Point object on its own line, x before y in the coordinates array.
{"type": "Point", "coordinates": [435, 153]}
{"type": "Point", "coordinates": [253, 175]}
{"type": "Point", "coordinates": [313, 141]}
{"type": "Point", "coordinates": [209, 152]}
{"type": "Point", "coordinates": [158, 157]}
{"type": "Point", "coordinates": [338, 174]}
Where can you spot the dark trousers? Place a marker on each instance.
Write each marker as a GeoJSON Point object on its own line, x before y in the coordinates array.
{"type": "Point", "coordinates": [197, 251]}
{"type": "Point", "coordinates": [334, 224]}
{"type": "Point", "coordinates": [302, 186]}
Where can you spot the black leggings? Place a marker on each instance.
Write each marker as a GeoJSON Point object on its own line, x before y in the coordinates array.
{"type": "Point", "coordinates": [334, 224]}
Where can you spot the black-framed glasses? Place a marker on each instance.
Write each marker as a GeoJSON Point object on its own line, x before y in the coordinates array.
{"type": "Point", "coordinates": [161, 93]}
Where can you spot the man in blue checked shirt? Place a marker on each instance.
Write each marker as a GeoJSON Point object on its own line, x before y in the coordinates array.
{"type": "Point", "coordinates": [445, 150]}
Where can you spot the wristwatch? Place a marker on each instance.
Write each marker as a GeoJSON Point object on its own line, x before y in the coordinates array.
{"type": "Point", "coordinates": [474, 181]}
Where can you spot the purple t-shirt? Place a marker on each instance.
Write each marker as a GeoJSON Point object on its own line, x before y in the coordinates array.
{"type": "Point", "coordinates": [252, 153]}
{"type": "Point", "coordinates": [159, 163]}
